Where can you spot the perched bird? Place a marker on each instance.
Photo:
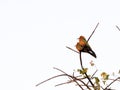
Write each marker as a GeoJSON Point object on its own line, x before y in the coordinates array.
{"type": "Point", "coordinates": [83, 46]}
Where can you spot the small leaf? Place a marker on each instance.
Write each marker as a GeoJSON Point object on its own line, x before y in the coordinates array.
{"type": "Point", "coordinates": [97, 80]}
{"type": "Point", "coordinates": [82, 71]}
{"type": "Point", "coordinates": [104, 82]}
{"type": "Point", "coordinates": [78, 70]}
{"type": "Point", "coordinates": [85, 70]}
{"type": "Point", "coordinates": [91, 63]}
{"type": "Point", "coordinates": [97, 84]}
{"type": "Point", "coordinates": [105, 76]}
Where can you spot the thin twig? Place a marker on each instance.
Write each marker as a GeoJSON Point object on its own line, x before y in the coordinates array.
{"type": "Point", "coordinates": [70, 81]}
{"type": "Point", "coordinates": [111, 83]}
{"type": "Point", "coordinates": [81, 61]}
{"type": "Point", "coordinates": [50, 79]}
{"type": "Point", "coordinates": [78, 83]}
{"type": "Point", "coordinates": [59, 70]}
{"type": "Point", "coordinates": [82, 82]}
{"type": "Point", "coordinates": [114, 79]}
{"type": "Point", "coordinates": [85, 72]}
{"type": "Point", "coordinates": [74, 78]}
{"type": "Point", "coordinates": [93, 32]}
{"type": "Point", "coordinates": [59, 76]}
{"type": "Point", "coordinates": [92, 76]}
{"type": "Point", "coordinates": [53, 76]}
{"type": "Point", "coordinates": [117, 27]}
{"type": "Point", "coordinates": [65, 83]}
{"type": "Point", "coordinates": [72, 49]}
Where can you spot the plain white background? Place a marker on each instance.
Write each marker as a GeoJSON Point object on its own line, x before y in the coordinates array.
{"type": "Point", "coordinates": [34, 35]}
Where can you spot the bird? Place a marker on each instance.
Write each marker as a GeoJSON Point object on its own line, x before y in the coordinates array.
{"type": "Point", "coordinates": [83, 46]}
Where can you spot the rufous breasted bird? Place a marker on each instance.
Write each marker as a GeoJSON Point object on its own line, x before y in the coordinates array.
{"type": "Point", "coordinates": [83, 46]}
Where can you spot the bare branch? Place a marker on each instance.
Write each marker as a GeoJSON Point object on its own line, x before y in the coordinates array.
{"type": "Point", "coordinates": [65, 83]}
{"type": "Point", "coordinates": [93, 32]}
{"type": "Point", "coordinates": [111, 83]}
{"type": "Point", "coordinates": [73, 78]}
{"type": "Point", "coordinates": [93, 75]}
{"type": "Point", "coordinates": [59, 70]}
{"type": "Point", "coordinates": [50, 79]}
{"type": "Point", "coordinates": [117, 27]}
{"type": "Point", "coordinates": [85, 73]}
{"type": "Point", "coordinates": [72, 49]}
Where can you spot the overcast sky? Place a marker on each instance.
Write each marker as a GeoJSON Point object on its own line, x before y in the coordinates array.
{"type": "Point", "coordinates": [34, 35]}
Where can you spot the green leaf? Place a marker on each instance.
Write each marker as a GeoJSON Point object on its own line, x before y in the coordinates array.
{"type": "Point", "coordinates": [105, 76]}
{"type": "Point", "coordinates": [82, 71]}
{"type": "Point", "coordinates": [104, 82]}
{"type": "Point", "coordinates": [97, 80]}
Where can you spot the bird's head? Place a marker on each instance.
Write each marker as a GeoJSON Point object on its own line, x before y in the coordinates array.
{"type": "Point", "coordinates": [81, 38]}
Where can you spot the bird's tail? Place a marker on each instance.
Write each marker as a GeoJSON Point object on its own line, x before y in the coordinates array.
{"type": "Point", "coordinates": [88, 49]}
{"type": "Point", "coordinates": [91, 52]}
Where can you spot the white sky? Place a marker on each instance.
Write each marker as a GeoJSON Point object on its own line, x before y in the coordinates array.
{"type": "Point", "coordinates": [34, 33]}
